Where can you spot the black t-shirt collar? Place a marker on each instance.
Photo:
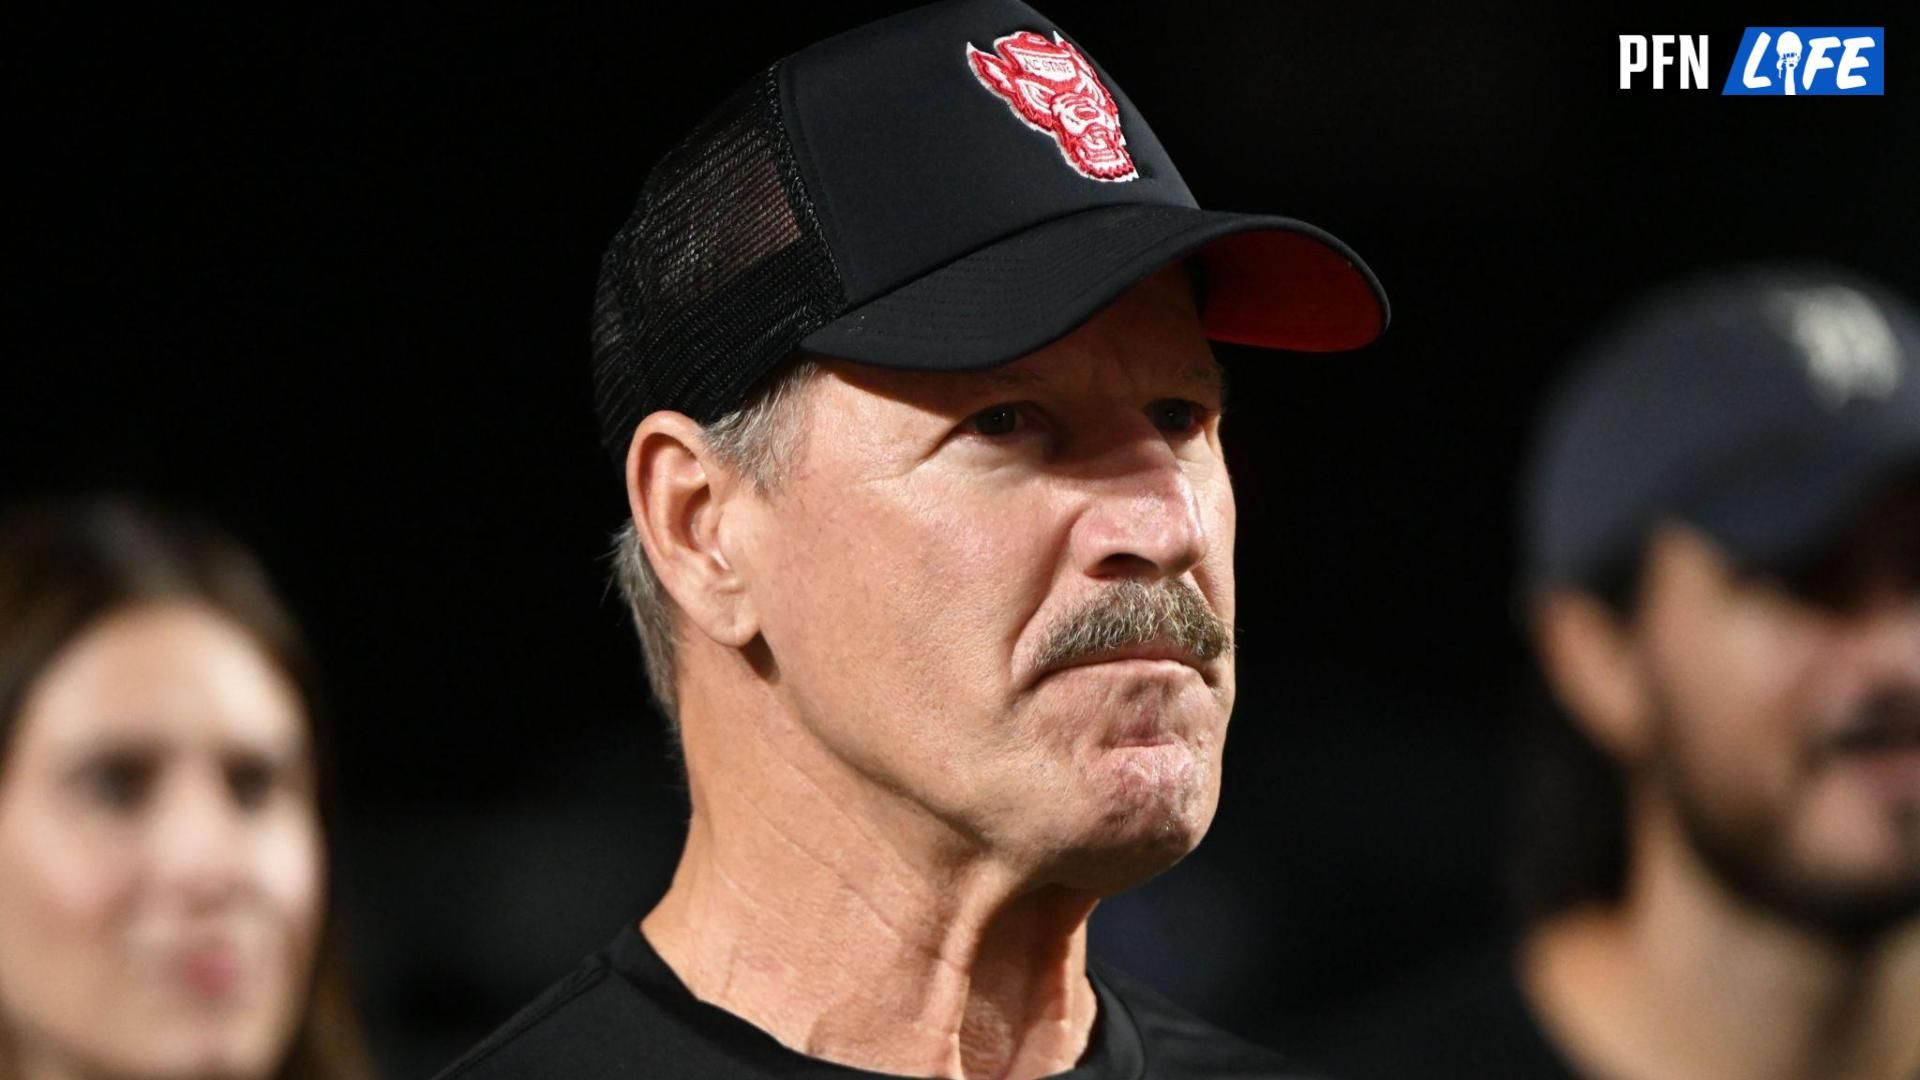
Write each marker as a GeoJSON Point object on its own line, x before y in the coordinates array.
{"type": "Point", "coordinates": [1114, 1051]}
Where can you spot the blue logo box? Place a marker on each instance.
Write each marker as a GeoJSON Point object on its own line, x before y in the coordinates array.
{"type": "Point", "coordinates": [1809, 61]}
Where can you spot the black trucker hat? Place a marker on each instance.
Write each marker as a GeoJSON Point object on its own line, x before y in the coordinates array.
{"type": "Point", "coordinates": [949, 188]}
{"type": "Point", "coordinates": [1763, 406]}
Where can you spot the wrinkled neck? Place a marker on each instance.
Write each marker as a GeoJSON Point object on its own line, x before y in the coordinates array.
{"type": "Point", "coordinates": [856, 928]}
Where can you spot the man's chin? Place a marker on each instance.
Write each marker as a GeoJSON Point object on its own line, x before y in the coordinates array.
{"type": "Point", "coordinates": [1104, 871]}
{"type": "Point", "coordinates": [1839, 881]}
{"type": "Point", "coordinates": [1153, 806]}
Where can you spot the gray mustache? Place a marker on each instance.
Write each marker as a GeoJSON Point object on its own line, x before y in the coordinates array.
{"type": "Point", "coordinates": [1129, 613]}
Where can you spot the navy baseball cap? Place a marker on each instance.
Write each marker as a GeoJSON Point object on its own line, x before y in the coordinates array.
{"type": "Point", "coordinates": [950, 188]}
{"type": "Point", "coordinates": [1764, 406]}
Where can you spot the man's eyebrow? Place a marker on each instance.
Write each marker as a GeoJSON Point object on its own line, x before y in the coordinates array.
{"type": "Point", "coordinates": [1213, 376]}
{"type": "Point", "coordinates": [1210, 377]}
{"type": "Point", "coordinates": [1011, 377]}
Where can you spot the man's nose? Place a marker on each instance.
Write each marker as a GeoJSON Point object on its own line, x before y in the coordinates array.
{"type": "Point", "coordinates": [1144, 518]}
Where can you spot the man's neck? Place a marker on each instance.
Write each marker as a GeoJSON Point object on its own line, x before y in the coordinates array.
{"type": "Point", "coordinates": [851, 929]}
{"type": "Point", "coordinates": [1685, 978]}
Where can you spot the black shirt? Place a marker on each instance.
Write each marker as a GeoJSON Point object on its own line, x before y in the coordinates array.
{"type": "Point", "coordinates": [624, 1013]}
{"type": "Point", "coordinates": [1467, 1021]}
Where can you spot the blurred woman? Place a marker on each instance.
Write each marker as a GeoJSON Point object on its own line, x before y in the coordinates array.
{"type": "Point", "coordinates": [163, 871]}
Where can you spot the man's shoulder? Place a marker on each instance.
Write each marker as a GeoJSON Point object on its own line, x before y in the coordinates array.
{"type": "Point", "coordinates": [602, 1020]}
{"type": "Point", "coordinates": [1179, 1045]}
{"type": "Point", "coordinates": [564, 1030]}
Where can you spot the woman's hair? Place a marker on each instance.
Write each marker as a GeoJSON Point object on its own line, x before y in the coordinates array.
{"type": "Point", "coordinates": [64, 567]}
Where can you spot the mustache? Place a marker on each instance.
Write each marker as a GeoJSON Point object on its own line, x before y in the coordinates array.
{"type": "Point", "coordinates": [1888, 719]}
{"type": "Point", "coordinates": [1124, 614]}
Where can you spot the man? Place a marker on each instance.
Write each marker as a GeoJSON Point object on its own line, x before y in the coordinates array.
{"type": "Point", "coordinates": [1724, 545]}
{"type": "Point", "coordinates": [904, 357]}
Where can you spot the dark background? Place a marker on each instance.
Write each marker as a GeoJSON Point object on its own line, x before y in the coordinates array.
{"type": "Point", "coordinates": [326, 276]}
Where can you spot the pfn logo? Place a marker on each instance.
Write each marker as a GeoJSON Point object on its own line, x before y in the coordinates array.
{"type": "Point", "coordinates": [1796, 60]}
{"type": "Point", "coordinates": [1691, 58]}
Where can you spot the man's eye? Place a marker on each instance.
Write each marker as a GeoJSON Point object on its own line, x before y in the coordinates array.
{"type": "Point", "coordinates": [998, 420]}
{"type": "Point", "coordinates": [1174, 415]}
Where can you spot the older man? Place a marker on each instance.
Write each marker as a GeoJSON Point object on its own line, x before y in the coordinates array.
{"type": "Point", "coordinates": [905, 357]}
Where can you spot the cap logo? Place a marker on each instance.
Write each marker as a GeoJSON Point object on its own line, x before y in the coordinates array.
{"type": "Point", "coordinates": [1053, 89]}
{"type": "Point", "coordinates": [1849, 348]}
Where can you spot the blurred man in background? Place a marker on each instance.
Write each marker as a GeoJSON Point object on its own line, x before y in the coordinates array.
{"type": "Point", "coordinates": [1723, 534]}
{"type": "Point", "coordinates": [904, 358]}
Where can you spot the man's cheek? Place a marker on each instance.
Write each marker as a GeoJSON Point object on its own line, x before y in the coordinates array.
{"type": "Point", "coordinates": [952, 598]}
{"type": "Point", "coordinates": [1218, 582]}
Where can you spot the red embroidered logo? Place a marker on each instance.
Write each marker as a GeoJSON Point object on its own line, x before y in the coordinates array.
{"type": "Point", "coordinates": [1053, 89]}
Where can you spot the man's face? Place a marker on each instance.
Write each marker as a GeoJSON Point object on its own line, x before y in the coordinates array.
{"type": "Point", "coordinates": [1789, 731]}
{"type": "Point", "coordinates": [952, 576]}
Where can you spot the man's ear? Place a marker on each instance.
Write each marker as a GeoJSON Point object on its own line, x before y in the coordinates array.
{"type": "Point", "coordinates": [678, 494]}
{"type": "Point", "coordinates": [1596, 669]}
